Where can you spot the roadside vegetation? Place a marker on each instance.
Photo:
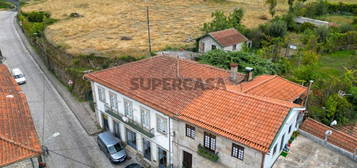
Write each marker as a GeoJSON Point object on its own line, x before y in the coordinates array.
{"type": "Point", "coordinates": [326, 55]}
{"type": "Point", "coordinates": [6, 5]}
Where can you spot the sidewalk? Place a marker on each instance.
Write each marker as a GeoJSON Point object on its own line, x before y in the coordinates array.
{"type": "Point", "coordinates": [81, 110]}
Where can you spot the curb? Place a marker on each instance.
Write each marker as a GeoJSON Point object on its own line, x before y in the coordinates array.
{"type": "Point", "coordinates": [44, 70]}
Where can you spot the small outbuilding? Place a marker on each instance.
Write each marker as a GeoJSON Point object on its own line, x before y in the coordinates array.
{"type": "Point", "coordinates": [227, 40]}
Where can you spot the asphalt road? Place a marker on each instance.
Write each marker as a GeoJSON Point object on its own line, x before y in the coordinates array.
{"type": "Point", "coordinates": [78, 149]}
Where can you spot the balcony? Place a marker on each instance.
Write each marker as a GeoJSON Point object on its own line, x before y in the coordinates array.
{"type": "Point", "coordinates": [137, 126]}
{"type": "Point", "coordinates": [210, 155]}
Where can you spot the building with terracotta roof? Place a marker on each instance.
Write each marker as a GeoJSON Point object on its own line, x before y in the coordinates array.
{"type": "Point", "coordinates": [227, 40]}
{"type": "Point", "coordinates": [182, 113]}
{"type": "Point", "coordinates": [18, 137]}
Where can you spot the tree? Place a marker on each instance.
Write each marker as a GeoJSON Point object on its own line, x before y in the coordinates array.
{"type": "Point", "coordinates": [291, 3]}
{"type": "Point", "coordinates": [277, 28]}
{"type": "Point", "coordinates": [219, 22]}
{"type": "Point", "coordinates": [337, 108]}
{"type": "Point", "coordinates": [272, 4]}
{"type": "Point", "coordinates": [235, 19]}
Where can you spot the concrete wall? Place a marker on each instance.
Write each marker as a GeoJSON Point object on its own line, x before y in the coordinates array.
{"type": "Point", "coordinates": [230, 48]}
{"type": "Point", "coordinates": [159, 140]}
{"type": "Point", "coordinates": [208, 42]}
{"type": "Point", "coordinates": [291, 120]}
{"type": "Point", "coordinates": [252, 158]}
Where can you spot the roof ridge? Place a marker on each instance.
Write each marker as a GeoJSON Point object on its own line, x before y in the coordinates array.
{"type": "Point", "coordinates": [291, 82]}
{"type": "Point", "coordinates": [243, 139]}
{"type": "Point", "coordinates": [209, 66]}
{"type": "Point", "coordinates": [264, 81]}
{"type": "Point", "coordinates": [19, 144]}
{"type": "Point", "coordinates": [266, 99]}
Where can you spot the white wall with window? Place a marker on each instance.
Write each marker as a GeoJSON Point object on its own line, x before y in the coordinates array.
{"type": "Point", "coordinates": [144, 115]}
{"type": "Point", "coordinates": [283, 136]}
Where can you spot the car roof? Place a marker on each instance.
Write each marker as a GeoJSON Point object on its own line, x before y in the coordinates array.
{"type": "Point", "coordinates": [108, 138]}
{"type": "Point", "coordinates": [16, 71]}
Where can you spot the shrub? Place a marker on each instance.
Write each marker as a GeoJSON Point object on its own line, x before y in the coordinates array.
{"type": "Point", "coordinates": [221, 21]}
{"type": "Point", "coordinates": [306, 26]}
{"type": "Point", "coordinates": [277, 28]}
{"type": "Point", "coordinates": [207, 154]}
{"type": "Point", "coordinates": [36, 16]}
{"type": "Point", "coordinates": [6, 5]}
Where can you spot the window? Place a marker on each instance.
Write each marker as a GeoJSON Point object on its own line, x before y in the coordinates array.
{"type": "Point", "coordinates": [214, 47]}
{"type": "Point", "coordinates": [238, 151]}
{"type": "Point", "coordinates": [101, 94]}
{"type": "Point", "coordinates": [162, 157]}
{"type": "Point", "coordinates": [274, 150]}
{"type": "Point", "coordinates": [210, 141]}
{"type": "Point", "coordinates": [128, 108]}
{"type": "Point", "coordinates": [290, 128]}
{"type": "Point", "coordinates": [113, 101]}
{"type": "Point", "coordinates": [161, 124]}
{"type": "Point", "coordinates": [282, 142]}
{"type": "Point", "coordinates": [131, 138]}
{"type": "Point", "coordinates": [234, 46]}
{"type": "Point", "coordinates": [145, 117]}
{"type": "Point", "coordinates": [190, 131]}
{"type": "Point", "coordinates": [147, 149]}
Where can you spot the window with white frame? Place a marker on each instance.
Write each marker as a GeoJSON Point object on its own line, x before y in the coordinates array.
{"type": "Point", "coordinates": [113, 100]}
{"type": "Point", "coordinates": [161, 124]}
{"type": "Point", "coordinates": [101, 94]}
{"type": "Point", "coordinates": [145, 117]}
{"type": "Point", "coordinates": [128, 108]}
{"type": "Point", "coordinates": [209, 141]}
{"type": "Point", "coordinates": [190, 131]}
{"type": "Point", "coordinates": [238, 151]}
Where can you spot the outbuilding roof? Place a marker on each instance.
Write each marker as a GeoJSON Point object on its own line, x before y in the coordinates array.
{"type": "Point", "coordinates": [228, 37]}
{"type": "Point", "coordinates": [251, 119]}
{"type": "Point", "coordinates": [18, 137]}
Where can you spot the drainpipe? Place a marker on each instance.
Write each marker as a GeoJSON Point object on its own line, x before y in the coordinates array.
{"type": "Point", "coordinates": [170, 158]}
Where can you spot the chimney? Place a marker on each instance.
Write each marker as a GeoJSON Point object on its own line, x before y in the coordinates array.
{"type": "Point", "coordinates": [249, 71]}
{"type": "Point", "coordinates": [234, 71]}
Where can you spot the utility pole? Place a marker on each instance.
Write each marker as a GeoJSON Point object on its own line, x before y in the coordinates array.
{"type": "Point", "coordinates": [148, 26]}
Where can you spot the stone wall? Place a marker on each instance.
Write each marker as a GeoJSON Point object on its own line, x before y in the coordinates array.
{"type": "Point", "coordinates": [252, 158]}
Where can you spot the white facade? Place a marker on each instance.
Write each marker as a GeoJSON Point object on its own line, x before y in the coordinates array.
{"type": "Point", "coordinates": [289, 126]}
{"type": "Point", "coordinates": [206, 44]}
{"type": "Point", "coordinates": [158, 140]}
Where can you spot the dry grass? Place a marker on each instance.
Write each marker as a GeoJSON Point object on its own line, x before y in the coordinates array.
{"type": "Point", "coordinates": [105, 22]}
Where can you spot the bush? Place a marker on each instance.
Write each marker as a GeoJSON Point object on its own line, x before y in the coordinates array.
{"type": "Point", "coordinates": [6, 5]}
{"type": "Point", "coordinates": [277, 28]}
{"type": "Point", "coordinates": [221, 21]}
{"type": "Point", "coordinates": [306, 26]}
{"type": "Point", "coordinates": [36, 16]}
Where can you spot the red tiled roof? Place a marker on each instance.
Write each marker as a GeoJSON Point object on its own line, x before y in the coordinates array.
{"type": "Point", "coordinates": [228, 37]}
{"type": "Point", "coordinates": [337, 138]}
{"type": "Point", "coordinates": [349, 129]}
{"type": "Point", "coordinates": [18, 137]}
{"type": "Point", "coordinates": [249, 119]}
{"type": "Point", "coordinates": [274, 86]}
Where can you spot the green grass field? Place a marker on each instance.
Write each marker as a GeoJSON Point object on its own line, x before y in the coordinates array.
{"type": "Point", "coordinates": [336, 62]}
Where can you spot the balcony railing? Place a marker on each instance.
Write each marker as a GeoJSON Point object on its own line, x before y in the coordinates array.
{"type": "Point", "coordinates": [137, 126]}
{"type": "Point", "coordinates": [210, 155]}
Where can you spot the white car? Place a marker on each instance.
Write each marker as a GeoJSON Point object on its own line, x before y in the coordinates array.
{"type": "Point", "coordinates": [19, 76]}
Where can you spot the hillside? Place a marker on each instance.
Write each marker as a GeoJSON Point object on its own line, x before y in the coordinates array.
{"type": "Point", "coordinates": [104, 23]}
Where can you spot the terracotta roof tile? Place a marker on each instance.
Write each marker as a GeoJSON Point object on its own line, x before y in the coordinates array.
{"type": "Point", "coordinates": [221, 111]}
{"type": "Point", "coordinates": [337, 138]}
{"type": "Point", "coordinates": [228, 37]}
{"type": "Point", "coordinates": [18, 137]}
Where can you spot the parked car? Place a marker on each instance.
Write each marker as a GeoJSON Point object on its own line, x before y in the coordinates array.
{"type": "Point", "coordinates": [134, 165]}
{"type": "Point", "coordinates": [112, 147]}
{"type": "Point", "coordinates": [19, 76]}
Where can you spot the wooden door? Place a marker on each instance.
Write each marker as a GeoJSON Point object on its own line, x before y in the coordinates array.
{"type": "Point", "coordinates": [187, 160]}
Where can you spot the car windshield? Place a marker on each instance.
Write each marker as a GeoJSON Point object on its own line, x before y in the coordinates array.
{"type": "Point", "coordinates": [115, 148]}
{"type": "Point", "coordinates": [18, 76]}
